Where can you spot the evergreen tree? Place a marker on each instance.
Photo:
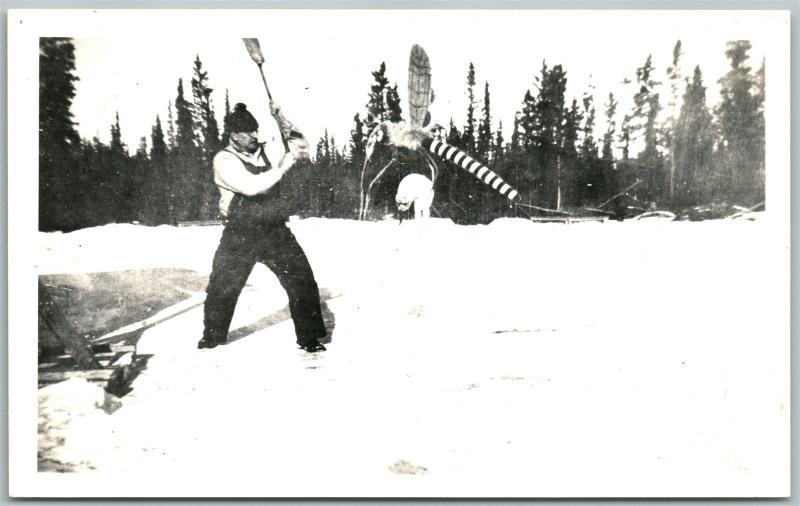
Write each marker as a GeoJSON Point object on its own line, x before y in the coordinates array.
{"type": "Point", "coordinates": [625, 137]}
{"type": "Point", "coordinates": [741, 128]}
{"type": "Point", "coordinates": [516, 136]}
{"type": "Point", "coordinates": [357, 142]}
{"type": "Point", "coordinates": [468, 136]}
{"type": "Point", "coordinates": [693, 144]}
{"type": "Point", "coordinates": [120, 177]}
{"type": "Point", "coordinates": [549, 133]}
{"type": "Point", "coordinates": [327, 145]}
{"type": "Point", "coordinates": [609, 177]}
{"type": "Point", "coordinates": [376, 104]}
{"type": "Point", "coordinates": [646, 109]}
{"type": "Point", "coordinates": [393, 110]}
{"type": "Point", "coordinates": [497, 149]}
{"type": "Point", "coordinates": [588, 146]}
{"type": "Point", "coordinates": [117, 146]}
{"type": "Point", "coordinates": [158, 149]}
{"type": "Point", "coordinates": [611, 126]}
{"type": "Point", "coordinates": [319, 157]}
{"type": "Point", "coordinates": [226, 127]}
{"type": "Point", "coordinates": [185, 194]}
{"type": "Point", "coordinates": [591, 178]}
{"type": "Point", "coordinates": [760, 130]}
{"type": "Point", "coordinates": [643, 126]}
{"type": "Point", "coordinates": [171, 140]}
{"type": "Point", "coordinates": [668, 128]}
{"type": "Point", "coordinates": [57, 133]}
{"type": "Point", "coordinates": [141, 151]}
{"type": "Point", "coordinates": [484, 144]}
{"type": "Point", "coordinates": [527, 122]}
{"type": "Point", "coordinates": [139, 177]}
{"type": "Point", "coordinates": [185, 138]}
{"type": "Point", "coordinates": [205, 121]}
{"type": "Point", "coordinates": [453, 135]}
{"type": "Point", "coordinates": [155, 199]}
{"type": "Point", "coordinates": [334, 154]}
{"type": "Point", "coordinates": [59, 143]}
{"type": "Point", "coordinates": [568, 162]}
{"type": "Point", "coordinates": [569, 137]}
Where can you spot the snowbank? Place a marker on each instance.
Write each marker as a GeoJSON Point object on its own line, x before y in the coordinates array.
{"type": "Point", "coordinates": [513, 358]}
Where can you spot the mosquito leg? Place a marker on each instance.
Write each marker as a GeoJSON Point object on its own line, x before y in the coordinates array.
{"type": "Point", "coordinates": [431, 164]}
{"type": "Point", "coordinates": [378, 176]}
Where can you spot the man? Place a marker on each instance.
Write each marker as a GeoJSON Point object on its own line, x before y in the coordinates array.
{"type": "Point", "coordinates": [255, 231]}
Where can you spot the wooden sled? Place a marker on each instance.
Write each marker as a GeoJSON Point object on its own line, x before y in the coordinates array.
{"type": "Point", "coordinates": [65, 354]}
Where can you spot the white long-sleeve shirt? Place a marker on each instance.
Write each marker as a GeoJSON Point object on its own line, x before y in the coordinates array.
{"type": "Point", "coordinates": [231, 176]}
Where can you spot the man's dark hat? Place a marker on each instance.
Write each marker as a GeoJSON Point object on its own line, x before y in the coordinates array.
{"type": "Point", "coordinates": [241, 120]}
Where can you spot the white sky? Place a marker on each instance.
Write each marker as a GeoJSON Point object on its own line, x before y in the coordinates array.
{"type": "Point", "coordinates": [319, 63]}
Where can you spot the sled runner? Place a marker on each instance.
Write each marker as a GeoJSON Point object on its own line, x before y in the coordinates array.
{"type": "Point", "coordinates": [65, 354]}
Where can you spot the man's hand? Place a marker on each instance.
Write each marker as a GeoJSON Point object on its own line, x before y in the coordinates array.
{"type": "Point", "coordinates": [274, 109]}
{"type": "Point", "coordinates": [287, 161]}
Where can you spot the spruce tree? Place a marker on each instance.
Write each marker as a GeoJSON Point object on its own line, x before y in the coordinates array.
{"type": "Point", "coordinates": [453, 135]}
{"type": "Point", "coordinates": [608, 174]}
{"type": "Point", "coordinates": [376, 104]}
{"type": "Point", "coordinates": [643, 126]}
{"type": "Point", "coordinates": [57, 133]}
{"type": "Point", "coordinates": [117, 146]}
{"type": "Point", "coordinates": [625, 137]}
{"type": "Point", "coordinates": [327, 147]}
{"type": "Point", "coordinates": [497, 148]}
{"type": "Point", "coordinates": [516, 134]}
{"type": "Point", "coordinates": [171, 140]}
{"type": "Point", "coordinates": [484, 144]}
{"type": "Point", "coordinates": [333, 151]}
{"type": "Point", "coordinates": [760, 131]}
{"type": "Point", "coordinates": [568, 163]}
{"type": "Point", "coordinates": [588, 146]}
{"type": "Point", "coordinates": [675, 79]}
{"type": "Point", "coordinates": [549, 134]}
{"type": "Point", "coordinates": [319, 157]}
{"type": "Point", "coordinates": [158, 149]}
{"type": "Point", "coordinates": [393, 110]}
{"type": "Point", "coordinates": [121, 179]}
{"type": "Point", "coordinates": [357, 142]}
{"type": "Point", "coordinates": [611, 127]}
{"type": "Point", "coordinates": [468, 135]}
{"type": "Point", "coordinates": [59, 143]}
{"type": "Point", "coordinates": [185, 138]}
{"type": "Point", "coordinates": [693, 145]}
{"type": "Point", "coordinates": [184, 191]}
{"type": "Point", "coordinates": [741, 129]}
{"type": "Point", "coordinates": [156, 193]}
{"type": "Point", "coordinates": [205, 121]}
{"type": "Point", "coordinates": [590, 171]}
{"type": "Point", "coordinates": [140, 177]}
{"type": "Point", "coordinates": [226, 127]}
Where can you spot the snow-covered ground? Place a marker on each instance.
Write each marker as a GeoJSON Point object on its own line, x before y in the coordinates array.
{"type": "Point", "coordinates": [513, 359]}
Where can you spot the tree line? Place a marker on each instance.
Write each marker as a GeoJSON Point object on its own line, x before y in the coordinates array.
{"type": "Point", "coordinates": [553, 153]}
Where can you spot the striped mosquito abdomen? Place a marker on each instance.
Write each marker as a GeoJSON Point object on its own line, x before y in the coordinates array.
{"type": "Point", "coordinates": [474, 167]}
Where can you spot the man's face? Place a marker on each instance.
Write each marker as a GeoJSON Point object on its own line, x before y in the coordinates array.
{"type": "Point", "coordinates": [245, 141]}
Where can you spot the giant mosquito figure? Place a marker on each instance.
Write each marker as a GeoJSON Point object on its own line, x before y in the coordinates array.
{"type": "Point", "coordinates": [417, 135]}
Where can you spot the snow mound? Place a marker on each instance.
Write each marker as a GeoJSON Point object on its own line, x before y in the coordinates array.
{"type": "Point", "coordinates": [72, 420]}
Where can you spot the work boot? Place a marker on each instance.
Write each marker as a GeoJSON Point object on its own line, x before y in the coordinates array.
{"type": "Point", "coordinates": [311, 346]}
{"type": "Point", "coordinates": [206, 343]}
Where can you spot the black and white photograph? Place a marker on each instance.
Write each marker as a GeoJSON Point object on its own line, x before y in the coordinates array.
{"type": "Point", "coordinates": [399, 253]}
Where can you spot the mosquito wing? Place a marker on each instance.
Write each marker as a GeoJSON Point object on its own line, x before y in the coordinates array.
{"type": "Point", "coordinates": [419, 85]}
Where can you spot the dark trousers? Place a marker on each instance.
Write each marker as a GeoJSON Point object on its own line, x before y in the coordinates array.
{"type": "Point", "coordinates": [274, 245]}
